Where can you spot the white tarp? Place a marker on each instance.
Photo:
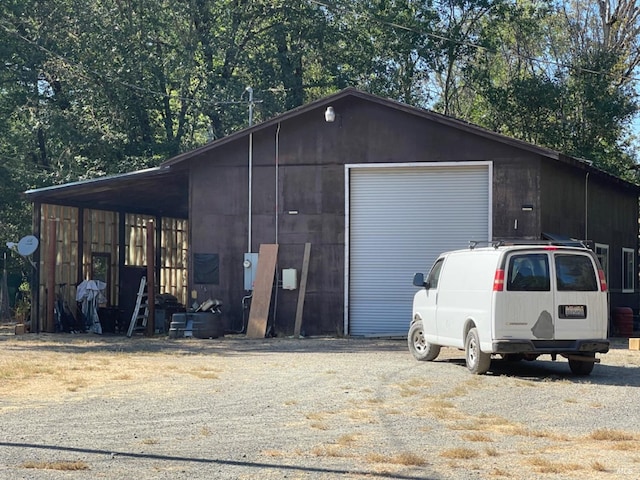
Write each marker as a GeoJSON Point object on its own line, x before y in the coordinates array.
{"type": "Point", "coordinates": [91, 294]}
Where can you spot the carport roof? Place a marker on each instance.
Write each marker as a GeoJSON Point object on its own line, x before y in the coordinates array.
{"type": "Point", "coordinates": [159, 191]}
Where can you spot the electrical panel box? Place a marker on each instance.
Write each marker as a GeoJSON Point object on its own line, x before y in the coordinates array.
{"type": "Point", "coordinates": [250, 266]}
{"type": "Point", "coordinates": [289, 279]}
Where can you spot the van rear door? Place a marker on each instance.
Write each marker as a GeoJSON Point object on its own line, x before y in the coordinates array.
{"type": "Point", "coordinates": [524, 309]}
{"type": "Point", "coordinates": [581, 305]}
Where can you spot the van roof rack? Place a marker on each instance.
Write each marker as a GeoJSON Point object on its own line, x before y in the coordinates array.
{"type": "Point", "coordinates": [558, 243]}
{"type": "Point", "coordinates": [474, 243]}
{"type": "Point", "coordinates": [569, 242]}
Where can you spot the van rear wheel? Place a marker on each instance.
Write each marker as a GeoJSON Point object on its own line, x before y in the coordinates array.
{"type": "Point", "coordinates": [582, 367]}
{"type": "Point", "coordinates": [478, 362]}
{"type": "Point", "coordinates": [418, 346]}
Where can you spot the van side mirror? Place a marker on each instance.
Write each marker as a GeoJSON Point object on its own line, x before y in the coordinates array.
{"type": "Point", "coordinates": [418, 280]}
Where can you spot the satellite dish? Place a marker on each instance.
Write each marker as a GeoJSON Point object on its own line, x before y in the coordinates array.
{"type": "Point", "coordinates": [27, 245]}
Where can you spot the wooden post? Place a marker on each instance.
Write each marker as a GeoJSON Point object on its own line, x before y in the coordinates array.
{"type": "Point", "coordinates": [151, 284]}
{"type": "Point", "coordinates": [303, 289]}
{"type": "Point", "coordinates": [50, 321]}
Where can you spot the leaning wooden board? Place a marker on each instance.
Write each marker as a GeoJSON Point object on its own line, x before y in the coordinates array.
{"type": "Point", "coordinates": [259, 312]}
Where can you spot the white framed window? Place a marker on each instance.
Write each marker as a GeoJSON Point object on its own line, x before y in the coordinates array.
{"type": "Point", "coordinates": [602, 252]}
{"type": "Point", "coordinates": [628, 270]}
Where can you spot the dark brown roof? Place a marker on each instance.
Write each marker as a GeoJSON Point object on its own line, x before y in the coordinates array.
{"type": "Point", "coordinates": [162, 191]}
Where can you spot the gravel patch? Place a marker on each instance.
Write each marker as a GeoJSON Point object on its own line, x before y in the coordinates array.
{"type": "Point", "coordinates": [88, 406]}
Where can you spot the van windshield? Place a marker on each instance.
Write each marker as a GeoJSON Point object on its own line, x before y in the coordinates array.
{"type": "Point", "coordinates": [575, 273]}
{"type": "Point", "coordinates": [529, 273]}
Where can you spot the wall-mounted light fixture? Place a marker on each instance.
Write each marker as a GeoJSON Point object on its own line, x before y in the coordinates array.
{"type": "Point", "coordinates": [527, 207]}
{"type": "Point", "coordinates": [329, 115]}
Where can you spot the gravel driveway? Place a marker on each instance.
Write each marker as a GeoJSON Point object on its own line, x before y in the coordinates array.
{"type": "Point", "coordinates": [87, 407]}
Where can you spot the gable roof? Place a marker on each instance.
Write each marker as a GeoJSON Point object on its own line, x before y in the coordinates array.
{"type": "Point", "coordinates": [419, 112]}
{"type": "Point", "coordinates": [164, 190]}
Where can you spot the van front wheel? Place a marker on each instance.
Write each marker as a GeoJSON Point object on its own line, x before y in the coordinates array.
{"type": "Point", "coordinates": [478, 362]}
{"type": "Point", "coordinates": [418, 346]}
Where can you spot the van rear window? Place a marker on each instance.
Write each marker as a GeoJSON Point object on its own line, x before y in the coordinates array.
{"type": "Point", "coordinates": [529, 273]}
{"type": "Point", "coordinates": [575, 273]}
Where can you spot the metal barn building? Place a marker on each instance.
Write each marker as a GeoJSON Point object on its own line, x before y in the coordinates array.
{"type": "Point", "coordinates": [378, 189]}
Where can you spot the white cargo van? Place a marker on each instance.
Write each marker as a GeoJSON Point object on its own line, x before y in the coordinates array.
{"type": "Point", "coordinates": [518, 301]}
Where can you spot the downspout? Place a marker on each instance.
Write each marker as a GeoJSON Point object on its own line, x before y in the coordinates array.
{"type": "Point", "coordinates": [250, 90]}
{"type": "Point", "coordinates": [250, 188]}
{"type": "Point", "coordinates": [586, 207]}
{"type": "Point", "coordinates": [277, 175]}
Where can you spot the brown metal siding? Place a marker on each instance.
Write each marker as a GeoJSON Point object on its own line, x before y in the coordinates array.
{"type": "Point", "coordinates": [310, 163]}
{"type": "Point", "coordinates": [581, 205]}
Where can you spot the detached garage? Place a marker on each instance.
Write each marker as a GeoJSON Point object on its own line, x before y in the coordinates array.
{"type": "Point", "coordinates": [377, 189]}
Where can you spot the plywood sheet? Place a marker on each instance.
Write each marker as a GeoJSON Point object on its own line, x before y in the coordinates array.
{"type": "Point", "coordinates": [259, 312]}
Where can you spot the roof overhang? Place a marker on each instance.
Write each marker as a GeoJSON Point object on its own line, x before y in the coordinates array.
{"type": "Point", "coordinates": [159, 191]}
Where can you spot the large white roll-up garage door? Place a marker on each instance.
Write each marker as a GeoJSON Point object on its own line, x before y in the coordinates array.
{"type": "Point", "coordinates": [400, 218]}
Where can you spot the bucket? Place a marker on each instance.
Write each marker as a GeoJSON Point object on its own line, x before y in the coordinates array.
{"type": "Point", "coordinates": [178, 326]}
{"type": "Point", "coordinates": [623, 321]}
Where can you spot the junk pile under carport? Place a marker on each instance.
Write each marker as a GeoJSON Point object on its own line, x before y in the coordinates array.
{"type": "Point", "coordinates": [204, 322]}
{"type": "Point", "coordinates": [167, 305]}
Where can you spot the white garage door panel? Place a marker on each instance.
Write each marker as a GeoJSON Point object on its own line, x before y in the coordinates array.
{"type": "Point", "coordinates": [400, 220]}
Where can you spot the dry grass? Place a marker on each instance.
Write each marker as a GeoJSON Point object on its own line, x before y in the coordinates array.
{"type": "Point", "coordinates": [477, 437]}
{"type": "Point", "coordinates": [407, 459]}
{"type": "Point", "coordinates": [60, 465]}
{"type": "Point", "coordinates": [361, 415]}
{"type": "Point", "coordinates": [499, 472]}
{"type": "Point", "coordinates": [53, 373]}
{"type": "Point", "coordinates": [348, 439]}
{"type": "Point", "coordinates": [598, 467]}
{"type": "Point", "coordinates": [542, 465]}
{"type": "Point", "coordinates": [625, 446]}
{"type": "Point", "coordinates": [205, 373]}
{"type": "Point", "coordinates": [491, 452]}
{"type": "Point", "coordinates": [459, 453]}
{"type": "Point", "coordinates": [320, 426]}
{"type": "Point", "coordinates": [611, 435]}
{"type": "Point", "coordinates": [561, 437]}
{"type": "Point", "coordinates": [329, 451]}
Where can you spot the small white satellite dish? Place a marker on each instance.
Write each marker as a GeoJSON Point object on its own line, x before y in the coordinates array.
{"type": "Point", "coordinates": [27, 245]}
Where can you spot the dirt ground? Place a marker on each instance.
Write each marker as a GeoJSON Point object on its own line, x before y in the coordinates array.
{"type": "Point", "coordinates": [88, 406]}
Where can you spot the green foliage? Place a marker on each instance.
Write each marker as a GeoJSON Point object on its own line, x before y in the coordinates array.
{"type": "Point", "coordinates": [90, 88]}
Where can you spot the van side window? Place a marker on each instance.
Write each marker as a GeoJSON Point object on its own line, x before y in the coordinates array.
{"type": "Point", "coordinates": [529, 273]}
{"type": "Point", "coordinates": [575, 273]}
{"type": "Point", "coordinates": [434, 274]}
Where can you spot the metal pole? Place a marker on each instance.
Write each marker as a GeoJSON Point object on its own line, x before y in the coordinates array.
{"type": "Point", "coordinates": [249, 228]}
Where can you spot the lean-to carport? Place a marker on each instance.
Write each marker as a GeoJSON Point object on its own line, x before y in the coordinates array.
{"type": "Point", "coordinates": [108, 215]}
